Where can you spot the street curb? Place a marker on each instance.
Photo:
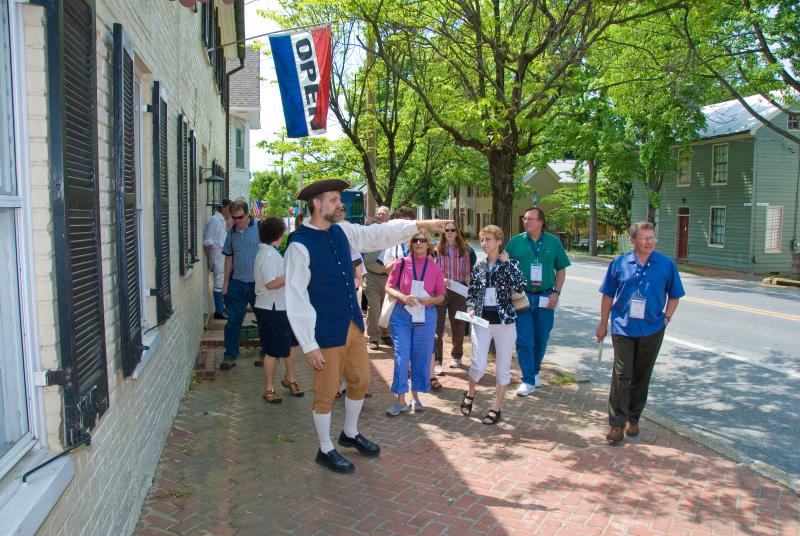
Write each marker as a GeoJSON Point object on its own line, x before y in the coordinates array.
{"type": "Point", "coordinates": [701, 438]}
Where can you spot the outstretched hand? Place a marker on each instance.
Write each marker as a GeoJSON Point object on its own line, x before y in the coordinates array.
{"type": "Point", "coordinates": [434, 226]}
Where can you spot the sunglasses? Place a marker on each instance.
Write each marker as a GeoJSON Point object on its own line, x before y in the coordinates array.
{"type": "Point", "coordinates": [450, 230]}
{"type": "Point", "coordinates": [238, 217]}
{"type": "Point", "coordinates": [419, 240]}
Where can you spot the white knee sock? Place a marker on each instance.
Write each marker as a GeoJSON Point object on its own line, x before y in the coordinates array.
{"type": "Point", "coordinates": [322, 422]}
{"type": "Point", "coordinates": [352, 409]}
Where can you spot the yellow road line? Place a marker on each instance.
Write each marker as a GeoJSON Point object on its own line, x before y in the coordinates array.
{"type": "Point", "coordinates": [744, 308]}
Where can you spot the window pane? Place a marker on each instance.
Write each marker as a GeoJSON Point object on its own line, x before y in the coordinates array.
{"type": "Point", "coordinates": [8, 183]}
{"type": "Point", "coordinates": [717, 225]}
{"type": "Point", "coordinates": [13, 411]}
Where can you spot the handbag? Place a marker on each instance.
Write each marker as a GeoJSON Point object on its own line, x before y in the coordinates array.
{"type": "Point", "coordinates": [388, 304]}
{"type": "Point", "coordinates": [520, 301]}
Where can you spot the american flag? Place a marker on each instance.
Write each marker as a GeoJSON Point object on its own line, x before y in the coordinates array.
{"type": "Point", "coordinates": [258, 208]}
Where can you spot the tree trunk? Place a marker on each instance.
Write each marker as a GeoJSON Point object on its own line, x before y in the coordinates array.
{"type": "Point", "coordinates": [592, 207]}
{"type": "Point", "coordinates": [501, 172]}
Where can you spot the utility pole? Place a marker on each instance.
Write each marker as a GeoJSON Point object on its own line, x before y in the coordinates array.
{"type": "Point", "coordinates": [370, 203]}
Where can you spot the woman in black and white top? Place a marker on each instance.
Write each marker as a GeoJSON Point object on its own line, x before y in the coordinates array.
{"type": "Point", "coordinates": [489, 297]}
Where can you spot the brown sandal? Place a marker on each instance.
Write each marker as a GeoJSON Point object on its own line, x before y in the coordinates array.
{"type": "Point", "coordinates": [271, 396]}
{"type": "Point", "coordinates": [435, 385]}
{"type": "Point", "coordinates": [293, 388]}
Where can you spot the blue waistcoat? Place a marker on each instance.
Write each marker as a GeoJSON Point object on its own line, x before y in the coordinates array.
{"type": "Point", "coordinates": [331, 289]}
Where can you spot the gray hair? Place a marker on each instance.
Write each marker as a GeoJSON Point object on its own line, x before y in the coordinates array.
{"type": "Point", "coordinates": [640, 225]}
{"type": "Point", "coordinates": [382, 208]}
{"type": "Point", "coordinates": [238, 204]}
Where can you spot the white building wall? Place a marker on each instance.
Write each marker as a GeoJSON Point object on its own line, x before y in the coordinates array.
{"type": "Point", "coordinates": [112, 476]}
{"type": "Point", "coordinates": [240, 177]}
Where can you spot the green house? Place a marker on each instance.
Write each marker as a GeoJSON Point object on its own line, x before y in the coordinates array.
{"type": "Point", "coordinates": [732, 203]}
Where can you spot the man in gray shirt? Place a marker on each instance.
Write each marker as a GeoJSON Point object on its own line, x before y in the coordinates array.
{"type": "Point", "coordinates": [241, 247]}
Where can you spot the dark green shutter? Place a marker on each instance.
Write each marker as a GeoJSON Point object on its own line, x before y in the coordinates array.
{"type": "Point", "coordinates": [183, 195]}
{"type": "Point", "coordinates": [76, 220]}
{"type": "Point", "coordinates": [124, 155]}
{"type": "Point", "coordinates": [161, 205]}
{"type": "Point", "coordinates": [193, 195]}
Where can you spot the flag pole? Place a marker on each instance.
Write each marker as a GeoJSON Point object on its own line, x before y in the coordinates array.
{"type": "Point", "coordinates": [238, 41]}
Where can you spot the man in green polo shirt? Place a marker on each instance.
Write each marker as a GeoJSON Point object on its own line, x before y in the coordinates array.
{"type": "Point", "coordinates": [543, 261]}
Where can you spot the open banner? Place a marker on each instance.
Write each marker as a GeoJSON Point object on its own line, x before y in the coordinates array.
{"type": "Point", "coordinates": [303, 65]}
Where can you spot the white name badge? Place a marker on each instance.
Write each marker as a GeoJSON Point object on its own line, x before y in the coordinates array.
{"type": "Point", "coordinates": [536, 274]}
{"type": "Point", "coordinates": [490, 300]}
{"type": "Point", "coordinates": [418, 289]}
{"type": "Point", "coordinates": [544, 302]}
{"type": "Point", "coordinates": [637, 308]}
{"type": "Point", "coordinates": [458, 288]}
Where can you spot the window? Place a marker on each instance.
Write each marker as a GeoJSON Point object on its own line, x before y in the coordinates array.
{"type": "Point", "coordinates": [774, 223]}
{"type": "Point", "coordinates": [184, 222]}
{"type": "Point", "coordinates": [14, 423]}
{"type": "Point", "coordinates": [793, 121]}
{"type": "Point", "coordinates": [716, 231]}
{"type": "Point", "coordinates": [240, 148]}
{"type": "Point", "coordinates": [684, 169]}
{"type": "Point", "coordinates": [161, 204]}
{"type": "Point", "coordinates": [719, 164]}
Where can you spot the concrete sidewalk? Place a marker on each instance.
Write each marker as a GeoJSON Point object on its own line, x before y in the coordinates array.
{"type": "Point", "coordinates": [234, 464]}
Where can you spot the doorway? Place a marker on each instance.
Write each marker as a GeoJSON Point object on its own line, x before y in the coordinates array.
{"type": "Point", "coordinates": [682, 244]}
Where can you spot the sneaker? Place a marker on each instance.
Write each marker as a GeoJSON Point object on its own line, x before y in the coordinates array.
{"type": "Point", "coordinates": [537, 381]}
{"type": "Point", "coordinates": [525, 389]}
{"type": "Point", "coordinates": [438, 370]}
{"type": "Point", "coordinates": [615, 434]}
{"type": "Point", "coordinates": [220, 316]}
{"type": "Point", "coordinates": [258, 363]}
{"type": "Point", "coordinates": [455, 363]}
{"type": "Point", "coordinates": [416, 406]}
{"type": "Point", "coordinates": [227, 364]}
{"type": "Point", "coordinates": [374, 345]}
{"type": "Point", "coordinates": [396, 409]}
{"type": "Point", "coordinates": [387, 340]}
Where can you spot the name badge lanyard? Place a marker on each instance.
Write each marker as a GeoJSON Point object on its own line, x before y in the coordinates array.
{"type": "Point", "coordinates": [490, 300]}
{"type": "Point", "coordinates": [536, 266]}
{"type": "Point", "coordinates": [421, 280]}
{"type": "Point", "coordinates": [638, 301]}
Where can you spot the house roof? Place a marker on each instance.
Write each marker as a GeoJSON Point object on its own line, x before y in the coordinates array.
{"type": "Point", "coordinates": [563, 169]}
{"type": "Point", "coordinates": [730, 117]}
{"type": "Point", "coordinates": [245, 84]}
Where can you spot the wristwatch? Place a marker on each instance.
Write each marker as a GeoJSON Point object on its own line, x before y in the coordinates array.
{"type": "Point", "coordinates": [557, 291]}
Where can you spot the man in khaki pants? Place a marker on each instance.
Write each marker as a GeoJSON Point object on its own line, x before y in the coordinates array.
{"type": "Point", "coordinates": [374, 288]}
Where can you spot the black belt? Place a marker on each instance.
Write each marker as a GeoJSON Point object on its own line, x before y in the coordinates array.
{"type": "Point", "coordinates": [540, 291]}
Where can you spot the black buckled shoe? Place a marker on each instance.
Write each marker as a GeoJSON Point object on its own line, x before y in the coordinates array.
{"type": "Point", "coordinates": [360, 443]}
{"type": "Point", "coordinates": [335, 462]}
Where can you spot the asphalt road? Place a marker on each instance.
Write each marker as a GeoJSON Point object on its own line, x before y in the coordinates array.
{"type": "Point", "coordinates": [728, 365]}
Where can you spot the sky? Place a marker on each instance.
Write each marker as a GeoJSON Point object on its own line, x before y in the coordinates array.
{"type": "Point", "coordinates": [271, 112]}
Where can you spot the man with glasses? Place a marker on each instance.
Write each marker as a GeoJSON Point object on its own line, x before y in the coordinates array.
{"type": "Point", "coordinates": [544, 263]}
{"type": "Point", "coordinates": [374, 288]}
{"type": "Point", "coordinates": [641, 291]}
{"type": "Point", "coordinates": [240, 250]}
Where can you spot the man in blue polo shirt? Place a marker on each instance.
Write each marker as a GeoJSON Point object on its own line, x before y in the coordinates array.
{"type": "Point", "coordinates": [641, 291]}
{"type": "Point", "coordinates": [544, 263]}
{"type": "Point", "coordinates": [240, 250]}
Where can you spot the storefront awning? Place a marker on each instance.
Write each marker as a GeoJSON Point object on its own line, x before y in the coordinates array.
{"type": "Point", "coordinates": [190, 3]}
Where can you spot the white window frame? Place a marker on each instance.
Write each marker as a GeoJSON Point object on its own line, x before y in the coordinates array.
{"type": "Point", "coordinates": [793, 122]}
{"type": "Point", "coordinates": [21, 203]}
{"type": "Point", "coordinates": [712, 244]}
{"type": "Point", "coordinates": [776, 230]}
{"type": "Point", "coordinates": [683, 165]}
{"type": "Point", "coordinates": [714, 164]}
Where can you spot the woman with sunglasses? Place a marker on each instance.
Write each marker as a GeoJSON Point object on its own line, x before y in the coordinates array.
{"type": "Point", "coordinates": [489, 297]}
{"type": "Point", "coordinates": [452, 256]}
{"type": "Point", "coordinates": [413, 321]}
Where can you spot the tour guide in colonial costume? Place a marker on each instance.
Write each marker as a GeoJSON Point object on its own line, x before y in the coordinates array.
{"type": "Point", "coordinates": [324, 313]}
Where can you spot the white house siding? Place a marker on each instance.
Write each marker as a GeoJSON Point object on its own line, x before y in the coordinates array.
{"type": "Point", "coordinates": [240, 177]}
{"type": "Point", "coordinates": [113, 474]}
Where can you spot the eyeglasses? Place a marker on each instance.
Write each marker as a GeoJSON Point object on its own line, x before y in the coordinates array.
{"type": "Point", "coordinates": [243, 216]}
{"type": "Point", "coordinates": [450, 230]}
{"type": "Point", "coordinates": [419, 240]}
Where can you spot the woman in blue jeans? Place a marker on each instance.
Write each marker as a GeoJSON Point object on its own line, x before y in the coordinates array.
{"type": "Point", "coordinates": [413, 334]}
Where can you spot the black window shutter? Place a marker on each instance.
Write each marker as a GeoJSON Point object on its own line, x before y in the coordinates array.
{"type": "Point", "coordinates": [124, 150]}
{"type": "Point", "coordinates": [76, 220]}
{"type": "Point", "coordinates": [193, 195]}
{"type": "Point", "coordinates": [183, 194]}
{"type": "Point", "coordinates": [161, 208]}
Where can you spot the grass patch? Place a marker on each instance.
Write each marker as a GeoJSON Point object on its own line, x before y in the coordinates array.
{"type": "Point", "coordinates": [188, 448]}
{"type": "Point", "coordinates": [563, 379]}
{"type": "Point", "coordinates": [280, 438]}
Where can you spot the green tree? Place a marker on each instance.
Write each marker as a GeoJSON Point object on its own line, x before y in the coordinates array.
{"type": "Point", "coordinates": [277, 201]}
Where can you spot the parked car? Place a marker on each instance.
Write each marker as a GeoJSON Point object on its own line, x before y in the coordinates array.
{"type": "Point", "coordinates": [583, 244]}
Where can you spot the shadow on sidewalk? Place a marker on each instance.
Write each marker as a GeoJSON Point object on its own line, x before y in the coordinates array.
{"type": "Point", "coordinates": [236, 465]}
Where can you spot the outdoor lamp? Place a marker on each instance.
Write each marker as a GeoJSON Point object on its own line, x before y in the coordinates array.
{"type": "Point", "coordinates": [214, 187]}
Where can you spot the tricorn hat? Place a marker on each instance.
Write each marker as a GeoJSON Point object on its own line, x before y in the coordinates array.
{"type": "Point", "coordinates": [327, 185]}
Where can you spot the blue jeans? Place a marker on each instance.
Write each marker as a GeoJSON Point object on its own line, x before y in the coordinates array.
{"type": "Point", "coordinates": [414, 345]}
{"type": "Point", "coordinates": [218, 307]}
{"type": "Point", "coordinates": [533, 331]}
{"type": "Point", "coordinates": [236, 300]}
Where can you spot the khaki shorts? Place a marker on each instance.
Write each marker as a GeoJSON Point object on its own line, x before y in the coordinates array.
{"type": "Point", "coordinates": [350, 360]}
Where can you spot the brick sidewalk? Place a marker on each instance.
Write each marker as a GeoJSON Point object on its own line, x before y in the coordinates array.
{"type": "Point", "coordinates": [234, 464]}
